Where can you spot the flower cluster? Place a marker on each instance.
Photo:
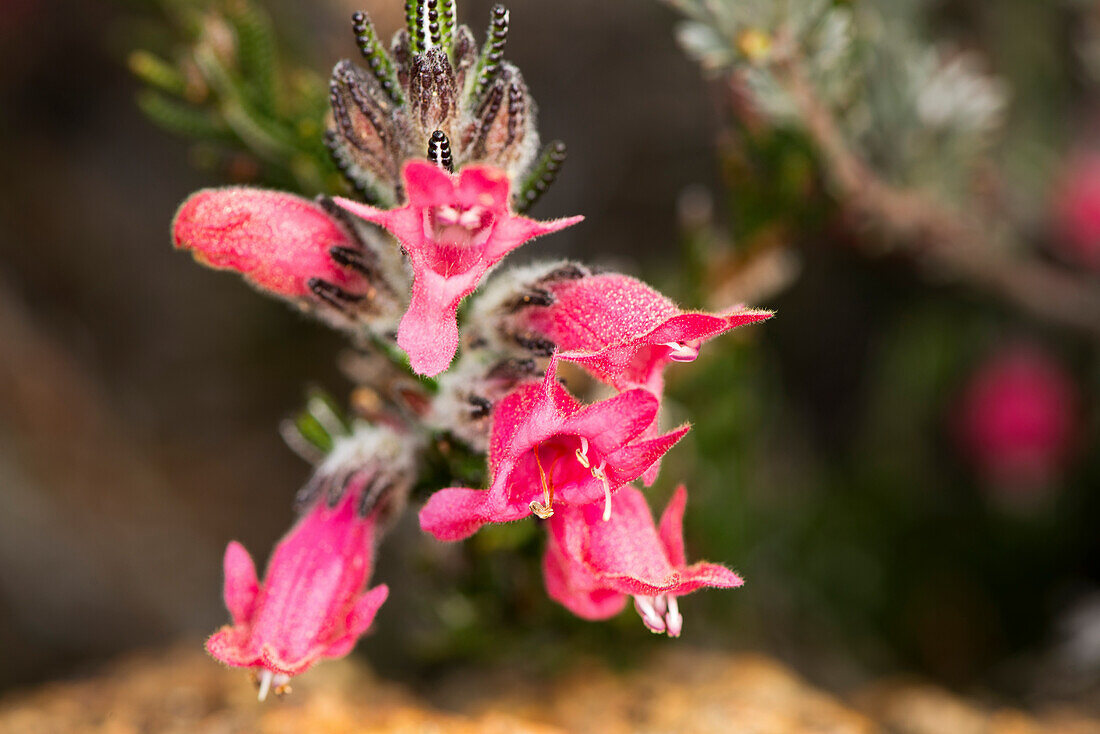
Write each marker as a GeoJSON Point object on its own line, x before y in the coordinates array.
{"type": "Point", "coordinates": [440, 138]}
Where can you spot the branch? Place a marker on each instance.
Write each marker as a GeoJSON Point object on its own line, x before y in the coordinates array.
{"type": "Point", "coordinates": [949, 239]}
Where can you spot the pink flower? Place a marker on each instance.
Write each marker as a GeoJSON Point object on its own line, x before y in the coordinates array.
{"type": "Point", "coordinates": [546, 450]}
{"type": "Point", "coordinates": [454, 229]}
{"type": "Point", "coordinates": [1077, 211]}
{"type": "Point", "coordinates": [591, 566]}
{"type": "Point", "coordinates": [1017, 418]}
{"type": "Point", "coordinates": [279, 242]}
{"type": "Point", "coordinates": [624, 332]}
{"type": "Point", "coordinates": [312, 603]}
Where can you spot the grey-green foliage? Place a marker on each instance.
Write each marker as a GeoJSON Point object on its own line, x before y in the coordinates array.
{"type": "Point", "coordinates": [921, 113]}
{"type": "Point", "coordinates": [927, 113]}
{"type": "Point", "coordinates": [220, 81]}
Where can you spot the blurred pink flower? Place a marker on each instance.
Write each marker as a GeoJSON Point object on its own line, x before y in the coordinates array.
{"type": "Point", "coordinates": [591, 566]}
{"type": "Point", "coordinates": [312, 604]}
{"type": "Point", "coordinates": [546, 450]}
{"type": "Point", "coordinates": [1017, 418]}
{"type": "Point", "coordinates": [279, 242]}
{"type": "Point", "coordinates": [1077, 211]}
{"type": "Point", "coordinates": [454, 228]}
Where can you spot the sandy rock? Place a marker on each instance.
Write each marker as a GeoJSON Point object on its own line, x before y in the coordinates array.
{"type": "Point", "coordinates": [184, 692]}
{"type": "Point", "coordinates": [911, 707]}
{"type": "Point", "coordinates": [679, 691]}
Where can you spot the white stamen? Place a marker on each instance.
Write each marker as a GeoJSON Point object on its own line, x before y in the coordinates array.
{"type": "Point", "coordinates": [598, 474]}
{"type": "Point", "coordinates": [673, 621]}
{"type": "Point", "coordinates": [265, 683]}
{"type": "Point", "coordinates": [582, 453]}
{"type": "Point", "coordinates": [653, 621]}
{"type": "Point", "coordinates": [682, 352]}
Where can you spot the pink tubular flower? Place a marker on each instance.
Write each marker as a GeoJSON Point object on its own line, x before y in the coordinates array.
{"type": "Point", "coordinates": [454, 229]}
{"type": "Point", "coordinates": [1016, 419]}
{"type": "Point", "coordinates": [279, 242]}
{"type": "Point", "coordinates": [624, 332]}
{"type": "Point", "coordinates": [590, 566]}
{"type": "Point", "coordinates": [312, 603]}
{"type": "Point", "coordinates": [546, 449]}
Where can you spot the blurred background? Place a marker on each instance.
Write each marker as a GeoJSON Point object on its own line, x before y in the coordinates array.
{"type": "Point", "coordinates": [903, 463]}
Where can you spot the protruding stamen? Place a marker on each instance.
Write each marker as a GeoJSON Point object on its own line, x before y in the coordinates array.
{"type": "Point", "coordinates": [582, 453]}
{"type": "Point", "coordinates": [439, 151]}
{"type": "Point", "coordinates": [543, 510]}
{"type": "Point", "coordinates": [599, 474]}
{"type": "Point", "coordinates": [653, 621]}
{"type": "Point", "coordinates": [682, 352]}
{"type": "Point", "coordinates": [673, 621]}
{"type": "Point", "coordinates": [265, 684]}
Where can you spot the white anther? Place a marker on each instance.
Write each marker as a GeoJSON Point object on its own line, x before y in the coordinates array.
{"type": "Point", "coordinates": [682, 352]}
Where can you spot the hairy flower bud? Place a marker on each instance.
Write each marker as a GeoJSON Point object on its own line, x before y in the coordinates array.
{"type": "Point", "coordinates": [308, 252]}
{"type": "Point", "coordinates": [314, 603]}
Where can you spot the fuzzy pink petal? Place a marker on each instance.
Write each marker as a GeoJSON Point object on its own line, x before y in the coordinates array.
{"type": "Point", "coordinates": [611, 423]}
{"type": "Point", "coordinates": [428, 185]}
{"type": "Point", "coordinates": [485, 187]}
{"type": "Point", "coordinates": [276, 241]}
{"type": "Point", "coordinates": [360, 618]}
{"type": "Point", "coordinates": [511, 232]}
{"type": "Point", "coordinates": [231, 646]}
{"type": "Point", "coordinates": [628, 544]}
{"type": "Point", "coordinates": [404, 224]}
{"type": "Point", "coordinates": [242, 587]}
{"type": "Point", "coordinates": [713, 575]}
{"type": "Point", "coordinates": [429, 329]}
{"type": "Point", "coordinates": [671, 528]}
{"type": "Point", "coordinates": [587, 603]}
{"type": "Point", "coordinates": [631, 462]}
{"type": "Point", "coordinates": [457, 513]}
